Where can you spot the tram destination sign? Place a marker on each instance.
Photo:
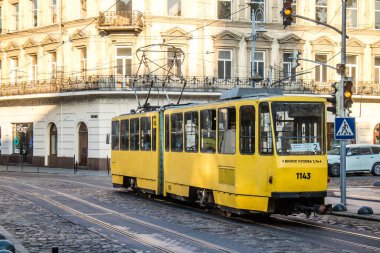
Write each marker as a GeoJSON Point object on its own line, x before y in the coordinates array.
{"type": "Point", "coordinates": [344, 128]}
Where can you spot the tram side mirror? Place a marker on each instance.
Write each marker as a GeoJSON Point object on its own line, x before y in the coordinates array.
{"type": "Point", "coordinates": [108, 138]}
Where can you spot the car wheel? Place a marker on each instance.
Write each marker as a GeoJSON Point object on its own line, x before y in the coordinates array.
{"type": "Point", "coordinates": [376, 169]}
{"type": "Point", "coordinates": [335, 170]}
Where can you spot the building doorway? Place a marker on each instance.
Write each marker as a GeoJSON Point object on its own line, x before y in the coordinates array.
{"type": "Point", "coordinates": [83, 144]}
{"type": "Point", "coordinates": [376, 134]}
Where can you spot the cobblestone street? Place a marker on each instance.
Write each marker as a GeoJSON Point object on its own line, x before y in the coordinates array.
{"type": "Point", "coordinates": [39, 228]}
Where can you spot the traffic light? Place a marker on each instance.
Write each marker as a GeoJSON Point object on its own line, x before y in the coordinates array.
{"type": "Point", "coordinates": [295, 58]}
{"type": "Point", "coordinates": [335, 100]}
{"type": "Point", "coordinates": [287, 13]}
{"type": "Point", "coordinates": [347, 92]}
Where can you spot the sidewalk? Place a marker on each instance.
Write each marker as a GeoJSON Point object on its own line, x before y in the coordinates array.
{"type": "Point", "coordinates": [50, 170]}
{"type": "Point", "coordinates": [354, 202]}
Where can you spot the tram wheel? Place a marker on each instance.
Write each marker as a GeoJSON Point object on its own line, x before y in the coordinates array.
{"type": "Point", "coordinates": [227, 214]}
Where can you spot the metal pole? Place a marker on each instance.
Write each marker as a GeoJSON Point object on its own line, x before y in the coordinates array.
{"type": "Point", "coordinates": [253, 45]}
{"type": "Point", "coordinates": [343, 142]}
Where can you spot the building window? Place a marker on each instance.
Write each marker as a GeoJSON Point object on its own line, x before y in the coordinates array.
{"type": "Point", "coordinates": [35, 13]}
{"type": "Point", "coordinates": [352, 67]}
{"type": "Point", "coordinates": [16, 17]}
{"type": "Point", "coordinates": [321, 10]}
{"type": "Point", "coordinates": [83, 8]}
{"type": "Point", "coordinates": [224, 64]}
{"type": "Point", "coordinates": [23, 139]}
{"type": "Point", "coordinates": [177, 132]}
{"type": "Point", "coordinates": [123, 65]}
{"type": "Point", "coordinates": [377, 69]}
{"type": "Point", "coordinates": [288, 71]}
{"type": "Point", "coordinates": [174, 7]}
{"type": "Point", "coordinates": [294, 8]}
{"type": "Point", "coordinates": [321, 70]}
{"type": "Point", "coordinates": [34, 68]}
{"type": "Point", "coordinates": [53, 65]}
{"type": "Point", "coordinates": [145, 134]}
{"type": "Point", "coordinates": [191, 131]}
{"type": "Point", "coordinates": [258, 7]}
{"type": "Point", "coordinates": [377, 14]}
{"type": "Point", "coordinates": [227, 131]}
{"type": "Point", "coordinates": [124, 6]}
{"type": "Point", "coordinates": [83, 61]}
{"type": "Point", "coordinates": [208, 131]}
{"type": "Point", "coordinates": [352, 13]}
{"type": "Point", "coordinates": [174, 61]}
{"type": "Point", "coordinates": [247, 129]}
{"type": "Point", "coordinates": [13, 70]}
{"type": "Point", "coordinates": [260, 63]}
{"type": "Point", "coordinates": [53, 8]}
{"type": "Point", "coordinates": [1, 21]}
{"type": "Point", "coordinates": [53, 140]}
{"type": "Point", "coordinates": [224, 9]}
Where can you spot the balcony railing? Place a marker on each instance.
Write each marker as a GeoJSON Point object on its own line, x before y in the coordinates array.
{"type": "Point", "coordinates": [193, 84]}
{"type": "Point", "coordinates": [120, 20]}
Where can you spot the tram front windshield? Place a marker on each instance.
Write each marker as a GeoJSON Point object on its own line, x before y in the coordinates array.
{"type": "Point", "coordinates": [299, 128]}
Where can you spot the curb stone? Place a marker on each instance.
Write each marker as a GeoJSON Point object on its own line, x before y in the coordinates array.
{"type": "Point", "coordinates": [9, 237]}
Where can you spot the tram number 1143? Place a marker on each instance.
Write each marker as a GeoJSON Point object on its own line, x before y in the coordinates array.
{"type": "Point", "coordinates": [303, 175]}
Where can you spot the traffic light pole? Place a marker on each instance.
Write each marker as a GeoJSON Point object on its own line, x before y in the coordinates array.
{"type": "Point", "coordinates": [343, 111]}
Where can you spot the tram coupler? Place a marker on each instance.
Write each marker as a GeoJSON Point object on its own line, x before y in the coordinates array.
{"type": "Point", "coordinates": [323, 209]}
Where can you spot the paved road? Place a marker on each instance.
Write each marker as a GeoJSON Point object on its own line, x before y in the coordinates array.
{"type": "Point", "coordinates": [41, 210]}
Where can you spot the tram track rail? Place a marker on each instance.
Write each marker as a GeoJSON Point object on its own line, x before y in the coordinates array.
{"type": "Point", "coordinates": [280, 223]}
{"type": "Point", "coordinates": [116, 229]}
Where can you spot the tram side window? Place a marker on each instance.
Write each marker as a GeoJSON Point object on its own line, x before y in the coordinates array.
{"type": "Point", "coordinates": [227, 131]}
{"type": "Point", "coordinates": [247, 129]}
{"type": "Point", "coordinates": [135, 134]}
{"type": "Point", "coordinates": [266, 140]}
{"type": "Point", "coordinates": [115, 135]}
{"type": "Point", "coordinates": [145, 133]}
{"type": "Point", "coordinates": [167, 128]}
{"type": "Point", "coordinates": [124, 135]}
{"type": "Point", "coordinates": [177, 132]}
{"type": "Point", "coordinates": [154, 132]}
{"type": "Point", "coordinates": [191, 131]}
{"type": "Point", "coordinates": [208, 131]}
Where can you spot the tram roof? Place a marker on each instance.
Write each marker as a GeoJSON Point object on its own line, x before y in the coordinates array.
{"type": "Point", "coordinates": [228, 96]}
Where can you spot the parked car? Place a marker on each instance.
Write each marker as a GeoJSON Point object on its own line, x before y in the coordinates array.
{"type": "Point", "coordinates": [360, 158]}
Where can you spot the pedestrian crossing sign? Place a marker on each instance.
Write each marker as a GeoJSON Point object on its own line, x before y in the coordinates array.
{"type": "Point", "coordinates": [344, 128]}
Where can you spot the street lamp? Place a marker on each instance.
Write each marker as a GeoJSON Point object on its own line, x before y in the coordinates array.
{"type": "Point", "coordinates": [259, 12]}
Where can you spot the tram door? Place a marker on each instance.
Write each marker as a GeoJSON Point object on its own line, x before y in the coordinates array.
{"type": "Point", "coordinates": [83, 144]}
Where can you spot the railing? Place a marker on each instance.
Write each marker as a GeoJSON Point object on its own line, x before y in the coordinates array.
{"type": "Point", "coordinates": [195, 84]}
{"type": "Point", "coordinates": [120, 18]}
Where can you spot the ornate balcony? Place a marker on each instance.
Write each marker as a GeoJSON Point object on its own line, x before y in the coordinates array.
{"type": "Point", "coordinates": [193, 84]}
{"type": "Point", "coordinates": [120, 21]}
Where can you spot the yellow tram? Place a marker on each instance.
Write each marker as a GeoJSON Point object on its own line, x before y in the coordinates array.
{"type": "Point", "coordinates": [255, 151]}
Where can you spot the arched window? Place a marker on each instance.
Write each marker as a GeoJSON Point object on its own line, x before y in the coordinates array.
{"type": "Point", "coordinates": [53, 140]}
{"type": "Point", "coordinates": [376, 134]}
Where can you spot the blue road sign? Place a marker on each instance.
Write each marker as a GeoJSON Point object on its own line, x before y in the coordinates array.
{"type": "Point", "coordinates": [344, 128]}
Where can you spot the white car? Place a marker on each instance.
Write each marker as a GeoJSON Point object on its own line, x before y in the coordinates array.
{"type": "Point", "coordinates": [360, 158]}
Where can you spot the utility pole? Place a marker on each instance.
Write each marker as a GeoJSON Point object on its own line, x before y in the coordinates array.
{"type": "Point", "coordinates": [255, 77]}
{"type": "Point", "coordinates": [253, 44]}
{"type": "Point", "coordinates": [342, 108]}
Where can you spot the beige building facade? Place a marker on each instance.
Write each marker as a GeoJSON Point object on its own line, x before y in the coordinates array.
{"type": "Point", "coordinates": [68, 66]}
